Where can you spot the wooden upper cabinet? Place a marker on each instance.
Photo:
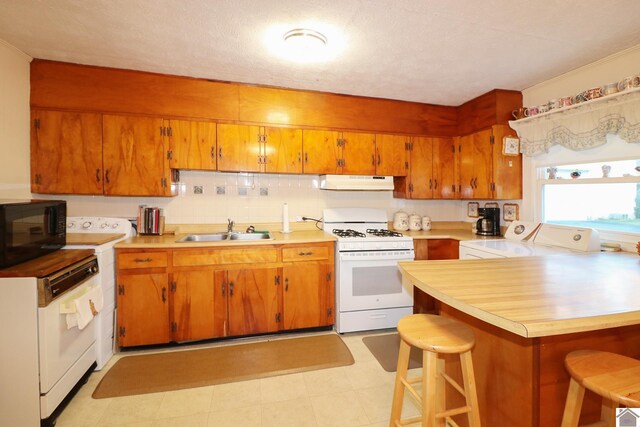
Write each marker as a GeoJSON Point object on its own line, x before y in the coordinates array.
{"type": "Point", "coordinates": [282, 150]}
{"type": "Point", "coordinates": [507, 170]}
{"type": "Point", "coordinates": [391, 155]}
{"type": "Point", "coordinates": [135, 161]}
{"type": "Point", "coordinates": [476, 160]}
{"type": "Point", "coordinates": [239, 148]}
{"type": "Point", "coordinates": [192, 144]}
{"type": "Point", "coordinates": [321, 152]}
{"type": "Point", "coordinates": [358, 153]}
{"type": "Point", "coordinates": [421, 176]}
{"type": "Point", "coordinates": [445, 169]}
{"type": "Point", "coordinates": [66, 153]}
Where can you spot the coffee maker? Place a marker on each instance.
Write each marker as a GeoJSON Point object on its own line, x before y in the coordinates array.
{"type": "Point", "coordinates": [489, 222]}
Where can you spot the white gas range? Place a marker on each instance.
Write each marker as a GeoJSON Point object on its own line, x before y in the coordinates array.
{"type": "Point", "coordinates": [533, 239]}
{"type": "Point", "coordinates": [369, 290]}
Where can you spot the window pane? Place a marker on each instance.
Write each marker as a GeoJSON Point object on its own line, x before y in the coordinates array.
{"type": "Point", "coordinates": [607, 206]}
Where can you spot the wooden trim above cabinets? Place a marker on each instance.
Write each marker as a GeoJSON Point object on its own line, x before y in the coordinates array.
{"type": "Point", "coordinates": [65, 86]}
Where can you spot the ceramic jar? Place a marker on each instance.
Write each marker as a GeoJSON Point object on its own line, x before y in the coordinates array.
{"type": "Point", "coordinates": [415, 222]}
{"type": "Point", "coordinates": [426, 223]}
{"type": "Point", "coordinates": [400, 221]}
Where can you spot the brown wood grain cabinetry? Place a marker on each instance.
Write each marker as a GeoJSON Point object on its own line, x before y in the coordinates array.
{"type": "Point", "coordinates": [331, 152]}
{"type": "Point", "coordinates": [282, 150]}
{"type": "Point", "coordinates": [66, 152]}
{"type": "Point", "coordinates": [134, 157]}
{"type": "Point", "coordinates": [432, 170]}
{"type": "Point", "coordinates": [391, 155]}
{"type": "Point", "coordinates": [431, 249]}
{"type": "Point", "coordinates": [227, 291]}
{"type": "Point", "coordinates": [192, 144]}
{"type": "Point", "coordinates": [486, 173]}
{"type": "Point", "coordinates": [308, 286]}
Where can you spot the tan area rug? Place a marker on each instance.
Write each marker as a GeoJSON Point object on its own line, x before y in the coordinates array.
{"type": "Point", "coordinates": [177, 370]}
{"type": "Point", "coordinates": [385, 349]}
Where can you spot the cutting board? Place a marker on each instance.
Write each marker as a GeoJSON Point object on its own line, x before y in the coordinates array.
{"type": "Point", "coordinates": [91, 239]}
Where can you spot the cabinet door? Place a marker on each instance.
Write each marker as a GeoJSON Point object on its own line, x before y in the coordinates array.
{"type": "Point", "coordinates": [135, 163]}
{"type": "Point", "coordinates": [253, 302]}
{"type": "Point", "coordinates": [307, 295]}
{"type": "Point", "coordinates": [143, 309]}
{"type": "Point", "coordinates": [192, 145]}
{"type": "Point", "coordinates": [321, 152]}
{"type": "Point", "coordinates": [283, 150]}
{"type": "Point", "coordinates": [391, 155]}
{"type": "Point", "coordinates": [432, 249]}
{"type": "Point", "coordinates": [359, 153]}
{"type": "Point", "coordinates": [476, 165]}
{"type": "Point", "coordinates": [66, 153]}
{"type": "Point", "coordinates": [445, 170]}
{"type": "Point", "coordinates": [421, 168]}
{"type": "Point", "coordinates": [507, 170]}
{"type": "Point", "coordinates": [194, 303]}
{"type": "Point", "coordinates": [238, 148]}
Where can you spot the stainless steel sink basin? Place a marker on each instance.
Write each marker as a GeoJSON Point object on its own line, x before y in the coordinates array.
{"type": "Point", "coordinates": [217, 237]}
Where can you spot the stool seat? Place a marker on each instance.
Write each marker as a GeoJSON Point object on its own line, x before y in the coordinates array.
{"type": "Point", "coordinates": [436, 333]}
{"type": "Point", "coordinates": [612, 376]}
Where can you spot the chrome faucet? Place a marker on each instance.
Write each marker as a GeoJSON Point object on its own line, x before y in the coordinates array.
{"type": "Point", "coordinates": [230, 225]}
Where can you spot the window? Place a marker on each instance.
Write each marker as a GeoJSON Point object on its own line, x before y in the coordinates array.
{"type": "Point", "coordinates": [605, 196]}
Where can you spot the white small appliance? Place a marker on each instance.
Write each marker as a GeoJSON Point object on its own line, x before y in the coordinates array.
{"type": "Point", "coordinates": [533, 239]}
{"type": "Point", "coordinates": [369, 290]}
{"type": "Point", "coordinates": [90, 232]}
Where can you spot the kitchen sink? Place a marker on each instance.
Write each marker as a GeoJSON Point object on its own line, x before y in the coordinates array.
{"type": "Point", "coordinates": [217, 237]}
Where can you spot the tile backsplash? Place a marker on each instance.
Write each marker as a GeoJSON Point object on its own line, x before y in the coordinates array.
{"type": "Point", "coordinates": [212, 197]}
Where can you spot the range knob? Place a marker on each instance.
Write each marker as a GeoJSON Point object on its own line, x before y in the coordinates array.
{"type": "Point", "coordinates": [71, 225]}
{"type": "Point", "coordinates": [86, 224]}
{"type": "Point", "coordinates": [104, 225]}
{"type": "Point", "coordinates": [115, 225]}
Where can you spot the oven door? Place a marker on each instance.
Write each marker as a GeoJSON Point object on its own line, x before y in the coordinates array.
{"type": "Point", "coordinates": [372, 280]}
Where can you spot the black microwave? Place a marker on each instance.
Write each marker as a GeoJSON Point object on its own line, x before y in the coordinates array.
{"type": "Point", "coordinates": [31, 228]}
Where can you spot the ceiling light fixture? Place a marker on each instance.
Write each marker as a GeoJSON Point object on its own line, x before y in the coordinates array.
{"type": "Point", "coordinates": [305, 45]}
{"type": "Point", "coordinates": [302, 35]}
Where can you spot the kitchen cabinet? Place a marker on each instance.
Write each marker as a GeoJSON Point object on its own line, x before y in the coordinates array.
{"type": "Point", "coordinates": [252, 300]}
{"type": "Point", "coordinates": [192, 144]}
{"type": "Point", "coordinates": [431, 249]}
{"type": "Point", "coordinates": [195, 303]}
{"type": "Point", "coordinates": [245, 148]}
{"type": "Point", "coordinates": [485, 173]}
{"type": "Point", "coordinates": [391, 155]}
{"type": "Point", "coordinates": [432, 170]}
{"type": "Point", "coordinates": [332, 152]}
{"type": "Point", "coordinates": [308, 286]}
{"type": "Point", "coordinates": [134, 158]}
{"type": "Point", "coordinates": [143, 298]}
{"type": "Point", "coordinates": [66, 153]}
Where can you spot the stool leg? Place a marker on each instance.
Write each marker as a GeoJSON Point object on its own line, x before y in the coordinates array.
{"type": "Point", "coordinates": [398, 391]}
{"type": "Point", "coordinates": [441, 393]}
{"type": "Point", "coordinates": [573, 405]}
{"type": "Point", "coordinates": [608, 412]}
{"type": "Point", "coordinates": [471, 395]}
{"type": "Point", "coordinates": [429, 382]}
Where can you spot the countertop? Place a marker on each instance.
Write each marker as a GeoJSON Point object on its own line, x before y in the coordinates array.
{"type": "Point", "coordinates": [47, 264]}
{"type": "Point", "coordinates": [537, 296]}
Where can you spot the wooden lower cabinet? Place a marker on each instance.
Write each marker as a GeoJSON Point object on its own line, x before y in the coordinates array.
{"type": "Point", "coordinates": [431, 249]}
{"type": "Point", "coordinates": [203, 293]}
{"type": "Point", "coordinates": [252, 300]}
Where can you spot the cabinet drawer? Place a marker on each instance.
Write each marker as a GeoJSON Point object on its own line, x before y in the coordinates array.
{"type": "Point", "coordinates": [224, 256]}
{"type": "Point", "coordinates": [142, 260]}
{"type": "Point", "coordinates": [307, 253]}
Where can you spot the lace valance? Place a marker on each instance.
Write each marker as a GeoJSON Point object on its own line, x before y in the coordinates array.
{"type": "Point", "coordinates": [582, 126]}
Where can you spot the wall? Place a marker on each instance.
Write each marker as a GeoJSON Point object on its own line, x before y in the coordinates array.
{"type": "Point", "coordinates": [610, 69]}
{"type": "Point", "coordinates": [14, 123]}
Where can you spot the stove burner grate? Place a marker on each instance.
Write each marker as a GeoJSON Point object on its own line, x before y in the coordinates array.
{"type": "Point", "coordinates": [383, 233]}
{"type": "Point", "coordinates": [347, 233]}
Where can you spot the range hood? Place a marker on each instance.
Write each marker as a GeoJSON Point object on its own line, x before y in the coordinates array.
{"type": "Point", "coordinates": [356, 182]}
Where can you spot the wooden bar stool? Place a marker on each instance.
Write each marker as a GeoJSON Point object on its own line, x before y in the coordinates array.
{"type": "Point", "coordinates": [434, 335]}
{"type": "Point", "coordinates": [614, 377]}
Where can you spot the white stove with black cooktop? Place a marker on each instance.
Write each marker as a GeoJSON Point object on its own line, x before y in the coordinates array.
{"type": "Point", "coordinates": [369, 290]}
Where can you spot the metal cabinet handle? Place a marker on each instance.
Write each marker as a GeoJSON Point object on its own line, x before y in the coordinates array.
{"type": "Point", "coordinates": [430, 184]}
{"type": "Point", "coordinates": [106, 176]}
{"type": "Point", "coordinates": [306, 157]}
{"type": "Point", "coordinates": [97, 175]}
{"type": "Point", "coordinates": [373, 160]}
{"type": "Point", "coordinates": [286, 284]}
{"type": "Point", "coordinates": [231, 289]}
{"type": "Point", "coordinates": [142, 260]}
{"type": "Point", "coordinates": [299, 157]}
{"type": "Point", "coordinates": [305, 253]}
{"type": "Point", "coordinates": [378, 154]}
{"type": "Point", "coordinates": [435, 184]}
{"type": "Point", "coordinates": [164, 294]}
{"type": "Point", "coordinates": [213, 152]}
{"type": "Point", "coordinates": [220, 152]}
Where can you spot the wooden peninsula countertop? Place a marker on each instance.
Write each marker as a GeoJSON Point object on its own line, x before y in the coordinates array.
{"type": "Point", "coordinates": [537, 296]}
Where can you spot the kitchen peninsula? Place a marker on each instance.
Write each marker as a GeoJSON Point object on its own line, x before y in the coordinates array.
{"type": "Point", "coordinates": [528, 313]}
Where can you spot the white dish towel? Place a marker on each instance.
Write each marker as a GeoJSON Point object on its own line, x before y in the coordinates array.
{"type": "Point", "coordinates": [87, 306]}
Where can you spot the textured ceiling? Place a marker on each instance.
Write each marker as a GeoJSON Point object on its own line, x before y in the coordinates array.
{"type": "Point", "coordinates": [433, 51]}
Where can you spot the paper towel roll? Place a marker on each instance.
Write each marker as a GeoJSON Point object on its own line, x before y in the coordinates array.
{"type": "Point", "coordinates": [285, 218]}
